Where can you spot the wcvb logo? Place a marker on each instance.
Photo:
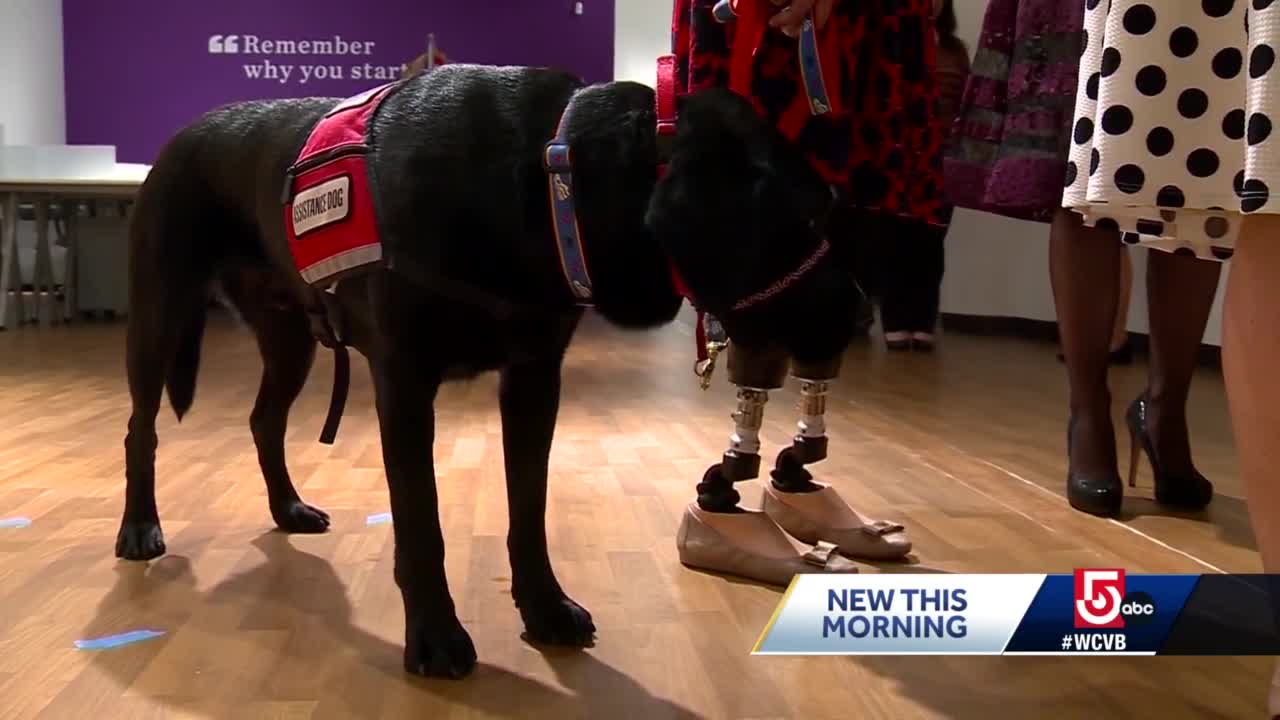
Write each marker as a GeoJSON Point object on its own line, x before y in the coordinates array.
{"type": "Point", "coordinates": [1101, 601]}
{"type": "Point", "coordinates": [1099, 595]}
{"type": "Point", "coordinates": [219, 45]}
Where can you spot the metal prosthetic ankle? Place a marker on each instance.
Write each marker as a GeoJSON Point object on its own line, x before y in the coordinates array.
{"type": "Point", "coordinates": [755, 373]}
{"type": "Point", "coordinates": [742, 460]}
{"type": "Point", "coordinates": [809, 444]}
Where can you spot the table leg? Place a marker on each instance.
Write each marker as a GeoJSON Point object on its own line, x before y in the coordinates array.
{"type": "Point", "coordinates": [71, 266]}
{"type": "Point", "coordinates": [10, 277]}
{"type": "Point", "coordinates": [42, 278]}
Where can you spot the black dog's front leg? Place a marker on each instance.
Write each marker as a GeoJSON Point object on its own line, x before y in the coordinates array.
{"type": "Point", "coordinates": [435, 642]}
{"type": "Point", "coordinates": [529, 398]}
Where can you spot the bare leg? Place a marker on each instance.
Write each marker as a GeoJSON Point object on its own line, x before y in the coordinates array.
{"type": "Point", "coordinates": [1084, 267]}
{"type": "Point", "coordinates": [1250, 352]}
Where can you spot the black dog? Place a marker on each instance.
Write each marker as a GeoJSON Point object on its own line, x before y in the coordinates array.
{"type": "Point", "coordinates": [458, 171]}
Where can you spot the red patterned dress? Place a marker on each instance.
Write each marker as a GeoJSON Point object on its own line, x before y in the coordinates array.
{"type": "Point", "coordinates": [883, 147]}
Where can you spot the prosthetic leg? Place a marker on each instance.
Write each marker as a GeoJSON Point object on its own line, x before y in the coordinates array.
{"type": "Point", "coordinates": [812, 512]}
{"type": "Point", "coordinates": [717, 534]}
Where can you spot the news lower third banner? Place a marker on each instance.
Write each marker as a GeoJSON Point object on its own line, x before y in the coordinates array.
{"type": "Point", "coordinates": [1093, 611]}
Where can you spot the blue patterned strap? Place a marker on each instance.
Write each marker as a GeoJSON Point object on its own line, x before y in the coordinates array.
{"type": "Point", "coordinates": [815, 84]}
{"type": "Point", "coordinates": [811, 68]}
{"type": "Point", "coordinates": [558, 162]}
{"type": "Point", "coordinates": [724, 11]}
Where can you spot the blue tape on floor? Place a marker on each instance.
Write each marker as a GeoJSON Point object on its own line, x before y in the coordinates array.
{"type": "Point", "coordinates": [378, 519]}
{"type": "Point", "coordinates": [17, 522]}
{"type": "Point", "coordinates": [114, 641]}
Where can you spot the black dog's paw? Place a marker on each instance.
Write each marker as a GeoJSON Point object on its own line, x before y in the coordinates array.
{"type": "Point", "coordinates": [140, 540]}
{"type": "Point", "coordinates": [557, 621]}
{"type": "Point", "coordinates": [300, 517]}
{"type": "Point", "coordinates": [445, 651]}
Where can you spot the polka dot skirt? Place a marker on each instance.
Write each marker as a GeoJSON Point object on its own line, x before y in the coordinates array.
{"type": "Point", "coordinates": [1172, 135]}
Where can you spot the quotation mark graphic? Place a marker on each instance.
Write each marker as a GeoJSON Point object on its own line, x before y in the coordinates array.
{"type": "Point", "coordinates": [224, 45]}
{"type": "Point", "coordinates": [1066, 642]}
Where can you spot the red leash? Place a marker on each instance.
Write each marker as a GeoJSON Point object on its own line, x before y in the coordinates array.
{"type": "Point", "coordinates": [666, 111]}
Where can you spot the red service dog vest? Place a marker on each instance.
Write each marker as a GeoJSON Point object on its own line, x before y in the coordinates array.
{"type": "Point", "coordinates": [329, 207]}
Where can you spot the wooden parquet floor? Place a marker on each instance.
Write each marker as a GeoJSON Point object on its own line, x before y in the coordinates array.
{"type": "Point", "coordinates": [964, 447]}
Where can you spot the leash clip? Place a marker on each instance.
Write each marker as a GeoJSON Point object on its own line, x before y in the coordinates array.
{"type": "Point", "coordinates": [724, 11]}
{"type": "Point", "coordinates": [716, 340]}
{"type": "Point", "coordinates": [704, 369]}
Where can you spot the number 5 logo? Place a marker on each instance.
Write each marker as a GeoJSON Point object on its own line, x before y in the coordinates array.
{"type": "Point", "coordinates": [1099, 595]}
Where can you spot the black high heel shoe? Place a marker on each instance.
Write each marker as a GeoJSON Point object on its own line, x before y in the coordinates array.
{"type": "Point", "coordinates": [1096, 496]}
{"type": "Point", "coordinates": [1189, 492]}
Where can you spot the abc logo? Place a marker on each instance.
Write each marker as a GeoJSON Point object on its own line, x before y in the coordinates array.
{"type": "Point", "coordinates": [1138, 608]}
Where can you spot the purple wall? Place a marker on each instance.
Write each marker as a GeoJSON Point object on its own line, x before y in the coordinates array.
{"type": "Point", "coordinates": [138, 70]}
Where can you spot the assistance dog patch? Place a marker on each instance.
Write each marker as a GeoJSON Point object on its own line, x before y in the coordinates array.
{"type": "Point", "coordinates": [322, 205]}
{"type": "Point", "coordinates": [330, 215]}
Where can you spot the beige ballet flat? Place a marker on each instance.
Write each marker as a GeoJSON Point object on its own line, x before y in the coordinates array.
{"type": "Point", "coordinates": [859, 538]}
{"type": "Point", "coordinates": [775, 561]}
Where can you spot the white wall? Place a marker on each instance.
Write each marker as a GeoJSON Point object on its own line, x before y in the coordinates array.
{"type": "Point", "coordinates": [642, 32]}
{"type": "Point", "coordinates": [32, 92]}
{"type": "Point", "coordinates": [995, 266]}
{"type": "Point", "coordinates": [33, 109]}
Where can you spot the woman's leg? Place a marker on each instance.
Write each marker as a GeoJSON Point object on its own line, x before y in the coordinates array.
{"type": "Point", "coordinates": [1120, 331]}
{"type": "Point", "coordinates": [931, 260]}
{"type": "Point", "coordinates": [896, 291]}
{"type": "Point", "coordinates": [1120, 354]}
{"type": "Point", "coordinates": [1084, 270]}
{"type": "Point", "coordinates": [1180, 293]}
{"type": "Point", "coordinates": [1250, 354]}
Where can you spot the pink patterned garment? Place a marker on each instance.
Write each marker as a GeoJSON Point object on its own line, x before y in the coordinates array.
{"type": "Point", "coordinates": [1008, 151]}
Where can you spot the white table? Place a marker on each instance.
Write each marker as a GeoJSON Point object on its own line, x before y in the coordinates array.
{"type": "Point", "coordinates": [121, 183]}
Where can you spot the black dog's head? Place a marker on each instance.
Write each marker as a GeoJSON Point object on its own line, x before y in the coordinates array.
{"type": "Point", "coordinates": [739, 212]}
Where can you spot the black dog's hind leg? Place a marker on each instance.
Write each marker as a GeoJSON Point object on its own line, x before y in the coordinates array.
{"type": "Point", "coordinates": [436, 644]}
{"type": "Point", "coordinates": [166, 322]}
{"type": "Point", "coordinates": [529, 398]}
{"type": "Point", "coordinates": [288, 349]}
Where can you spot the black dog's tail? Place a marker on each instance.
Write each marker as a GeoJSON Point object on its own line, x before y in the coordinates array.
{"type": "Point", "coordinates": [180, 382]}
